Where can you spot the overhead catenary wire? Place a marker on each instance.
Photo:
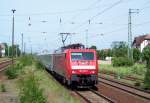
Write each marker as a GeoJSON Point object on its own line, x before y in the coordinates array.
{"type": "Point", "coordinates": [86, 9]}
{"type": "Point", "coordinates": [98, 14]}
{"type": "Point", "coordinates": [57, 12]}
{"type": "Point", "coordinates": [120, 29]}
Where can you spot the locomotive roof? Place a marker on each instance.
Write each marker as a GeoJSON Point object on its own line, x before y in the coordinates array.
{"type": "Point", "coordinates": [72, 46]}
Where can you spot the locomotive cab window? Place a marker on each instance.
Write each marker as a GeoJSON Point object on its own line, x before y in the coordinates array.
{"type": "Point", "coordinates": [82, 56]}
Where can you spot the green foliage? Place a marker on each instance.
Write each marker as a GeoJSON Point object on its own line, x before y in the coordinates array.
{"type": "Point", "coordinates": [101, 54]}
{"type": "Point", "coordinates": [26, 60]}
{"type": "Point", "coordinates": [138, 69]}
{"type": "Point", "coordinates": [3, 88]}
{"type": "Point", "coordinates": [136, 54]}
{"type": "Point", "coordinates": [30, 91]}
{"type": "Point", "coordinates": [137, 84]}
{"type": "Point", "coordinates": [122, 61]}
{"type": "Point", "coordinates": [8, 50]}
{"type": "Point", "coordinates": [119, 44]}
{"type": "Point", "coordinates": [11, 73]}
{"type": "Point", "coordinates": [39, 65]}
{"type": "Point", "coordinates": [146, 56]}
{"type": "Point", "coordinates": [119, 49]}
{"type": "Point", "coordinates": [93, 47]}
{"type": "Point", "coordinates": [147, 79]}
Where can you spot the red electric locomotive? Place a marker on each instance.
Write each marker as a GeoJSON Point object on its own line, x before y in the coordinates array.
{"type": "Point", "coordinates": [76, 65]}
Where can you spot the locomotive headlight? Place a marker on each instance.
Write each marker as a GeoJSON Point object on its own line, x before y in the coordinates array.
{"type": "Point", "coordinates": [92, 72]}
{"type": "Point", "coordinates": [73, 72]}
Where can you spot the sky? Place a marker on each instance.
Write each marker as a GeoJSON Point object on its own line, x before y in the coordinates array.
{"type": "Point", "coordinates": [108, 22]}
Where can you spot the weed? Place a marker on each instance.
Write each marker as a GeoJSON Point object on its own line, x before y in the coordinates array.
{"type": "Point", "coordinates": [137, 70]}
{"type": "Point", "coordinates": [3, 88]}
{"type": "Point", "coordinates": [39, 65]}
{"type": "Point", "coordinates": [30, 91]}
{"type": "Point", "coordinates": [137, 84]}
{"type": "Point", "coordinates": [11, 73]}
{"type": "Point", "coordinates": [122, 61]}
{"type": "Point", "coordinates": [26, 60]}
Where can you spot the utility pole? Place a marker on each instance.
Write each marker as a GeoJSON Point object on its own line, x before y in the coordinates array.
{"type": "Point", "coordinates": [13, 10]}
{"type": "Point", "coordinates": [130, 51]}
{"type": "Point", "coordinates": [16, 50]}
{"type": "Point", "coordinates": [31, 45]}
{"type": "Point", "coordinates": [86, 37]}
{"type": "Point", "coordinates": [22, 44]}
{"type": "Point", "coordinates": [24, 48]}
{"type": "Point", "coordinates": [8, 50]}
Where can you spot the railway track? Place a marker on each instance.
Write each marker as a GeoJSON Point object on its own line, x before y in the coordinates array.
{"type": "Point", "coordinates": [126, 88]}
{"type": "Point", "coordinates": [92, 96]}
{"type": "Point", "coordinates": [126, 78]}
{"type": "Point", "coordinates": [4, 64]}
{"type": "Point", "coordinates": [88, 95]}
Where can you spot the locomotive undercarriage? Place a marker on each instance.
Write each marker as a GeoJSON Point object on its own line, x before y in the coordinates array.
{"type": "Point", "coordinates": [84, 80]}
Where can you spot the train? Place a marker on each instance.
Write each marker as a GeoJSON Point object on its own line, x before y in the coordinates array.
{"type": "Point", "coordinates": [75, 65]}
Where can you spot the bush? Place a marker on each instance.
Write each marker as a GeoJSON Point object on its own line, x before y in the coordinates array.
{"type": "Point", "coordinates": [138, 69]}
{"type": "Point", "coordinates": [30, 91]}
{"type": "Point", "coordinates": [26, 60]}
{"type": "Point", "coordinates": [11, 73]}
{"type": "Point", "coordinates": [122, 61]}
{"type": "Point", "coordinates": [136, 54]}
{"type": "Point", "coordinates": [39, 65]}
{"type": "Point", "coordinates": [146, 57]}
{"type": "Point", "coordinates": [3, 88]}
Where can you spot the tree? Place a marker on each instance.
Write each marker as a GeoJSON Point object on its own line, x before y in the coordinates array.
{"type": "Point", "coordinates": [101, 54]}
{"type": "Point", "coordinates": [136, 54]}
{"type": "Point", "coordinates": [146, 57]}
{"type": "Point", "coordinates": [93, 47]}
{"type": "Point", "coordinates": [119, 49]}
{"type": "Point", "coordinates": [16, 50]}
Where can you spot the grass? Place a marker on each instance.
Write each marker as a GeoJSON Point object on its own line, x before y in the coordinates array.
{"type": "Point", "coordinates": [137, 70]}
{"type": "Point", "coordinates": [51, 90]}
{"type": "Point", "coordinates": [30, 92]}
{"type": "Point", "coordinates": [54, 92]}
{"type": "Point", "coordinates": [44, 84]}
{"type": "Point", "coordinates": [3, 88]}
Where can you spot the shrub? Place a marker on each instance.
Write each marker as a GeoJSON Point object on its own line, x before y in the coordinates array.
{"type": "Point", "coordinates": [137, 83]}
{"type": "Point", "coordinates": [26, 60]}
{"type": "Point", "coordinates": [136, 54]}
{"type": "Point", "coordinates": [138, 69]}
{"type": "Point", "coordinates": [11, 73]}
{"type": "Point", "coordinates": [3, 89]}
{"type": "Point", "coordinates": [146, 57]}
{"type": "Point", "coordinates": [122, 61]}
{"type": "Point", "coordinates": [30, 91]}
{"type": "Point", "coordinates": [39, 65]}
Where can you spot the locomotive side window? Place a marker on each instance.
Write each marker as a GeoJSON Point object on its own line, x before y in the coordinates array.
{"type": "Point", "coordinates": [82, 56]}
